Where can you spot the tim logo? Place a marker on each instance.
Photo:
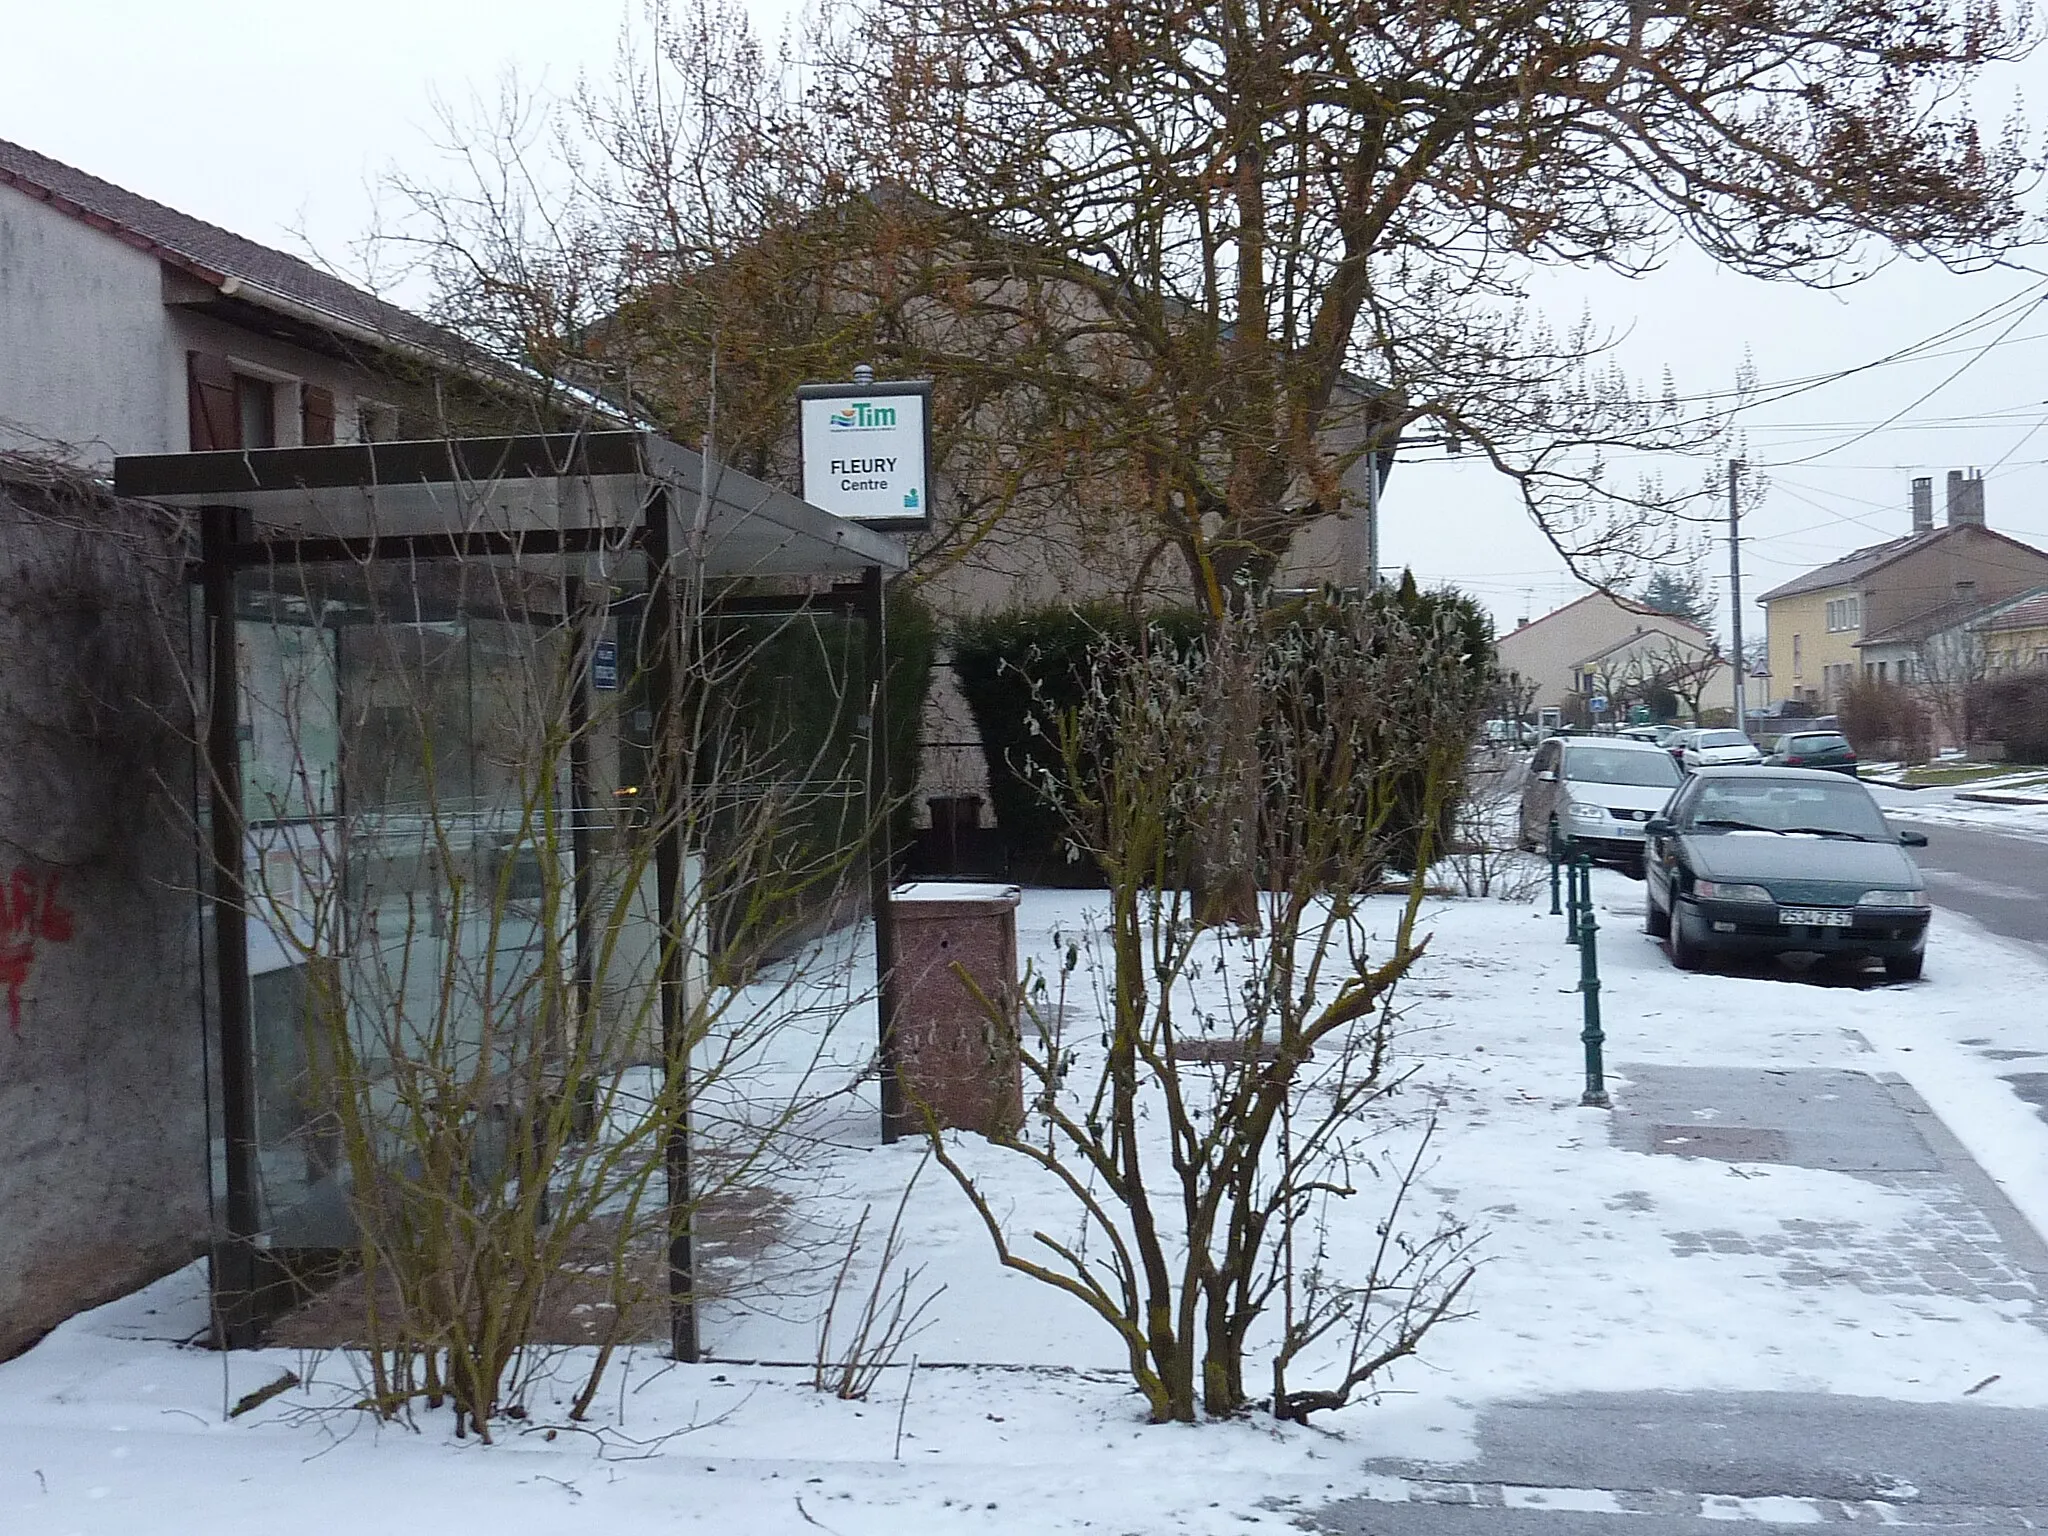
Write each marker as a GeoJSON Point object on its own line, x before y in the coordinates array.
{"type": "Point", "coordinates": [862, 417]}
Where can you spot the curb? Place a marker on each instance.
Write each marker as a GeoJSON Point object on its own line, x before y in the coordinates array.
{"type": "Point", "coordinates": [2028, 1249]}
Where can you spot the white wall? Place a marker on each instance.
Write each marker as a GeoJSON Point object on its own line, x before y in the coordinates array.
{"type": "Point", "coordinates": [83, 344]}
{"type": "Point", "coordinates": [92, 357]}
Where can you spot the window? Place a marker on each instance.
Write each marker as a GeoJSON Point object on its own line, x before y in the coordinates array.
{"type": "Point", "coordinates": [1798, 658]}
{"type": "Point", "coordinates": [1880, 671]}
{"type": "Point", "coordinates": [1587, 763]}
{"type": "Point", "coordinates": [1844, 613]}
{"type": "Point", "coordinates": [256, 412]}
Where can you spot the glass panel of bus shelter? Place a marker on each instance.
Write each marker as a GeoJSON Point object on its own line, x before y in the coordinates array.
{"type": "Point", "coordinates": [410, 862]}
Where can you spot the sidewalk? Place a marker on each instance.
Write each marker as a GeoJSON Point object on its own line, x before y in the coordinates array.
{"type": "Point", "coordinates": [1807, 1300]}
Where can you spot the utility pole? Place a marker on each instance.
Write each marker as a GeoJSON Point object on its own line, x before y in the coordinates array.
{"type": "Point", "coordinates": [1735, 588]}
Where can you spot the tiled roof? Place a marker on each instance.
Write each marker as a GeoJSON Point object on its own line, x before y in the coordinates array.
{"type": "Point", "coordinates": [1929, 621]}
{"type": "Point", "coordinates": [1850, 567]}
{"type": "Point", "coordinates": [2031, 614]}
{"type": "Point", "coordinates": [213, 254]}
{"type": "Point", "coordinates": [1626, 604]}
{"type": "Point", "coordinates": [1683, 643]}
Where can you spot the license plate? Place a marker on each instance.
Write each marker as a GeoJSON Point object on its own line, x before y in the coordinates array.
{"type": "Point", "coordinates": [1815, 917]}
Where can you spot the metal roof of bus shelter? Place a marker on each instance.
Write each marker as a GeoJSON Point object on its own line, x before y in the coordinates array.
{"type": "Point", "coordinates": [561, 493]}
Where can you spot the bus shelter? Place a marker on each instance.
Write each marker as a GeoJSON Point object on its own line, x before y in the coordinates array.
{"type": "Point", "coordinates": [446, 756]}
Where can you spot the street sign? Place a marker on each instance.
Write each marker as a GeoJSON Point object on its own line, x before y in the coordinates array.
{"type": "Point", "coordinates": [1598, 703]}
{"type": "Point", "coordinates": [867, 451]}
{"type": "Point", "coordinates": [604, 666]}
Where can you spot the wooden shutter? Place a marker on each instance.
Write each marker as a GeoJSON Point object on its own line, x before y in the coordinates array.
{"type": "Point", "coordinates": [214, 422]}
{"type": "Point", "coordinates": [316, 415]}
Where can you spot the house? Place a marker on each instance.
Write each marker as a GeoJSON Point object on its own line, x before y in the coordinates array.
{"type": "Point", "coordinates": [1034, 503]}
{"type": "Point", "coordinates": [1604, 646]}
{"type": "Point", "coordinates": [2015, 635]}
{"type": "Point", "coordinates": [1874, 610]}
{"type": "Point", "coordinates": [129, 327]}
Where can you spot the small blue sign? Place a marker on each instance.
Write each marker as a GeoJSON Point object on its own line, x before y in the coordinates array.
{"type": "Point", "coordinates": [604, 666]}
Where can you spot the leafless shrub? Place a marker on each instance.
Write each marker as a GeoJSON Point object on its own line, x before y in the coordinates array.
{"type": "Point", "coordinates": [848, 1365]}
{"type": "Point", "coordinates": [1239, 1069]}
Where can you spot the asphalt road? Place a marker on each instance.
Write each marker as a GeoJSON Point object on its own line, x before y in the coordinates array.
{"type": "Point", "coordinates": [1675, 1464]}
{"type": "Point", "coordinates": [2002, 882]}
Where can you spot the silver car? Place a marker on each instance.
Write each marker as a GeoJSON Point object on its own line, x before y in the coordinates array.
{"type": "Point", "coordinates": [1720, 749]}
{"type": "Point", "coordinates": [1602, 790]}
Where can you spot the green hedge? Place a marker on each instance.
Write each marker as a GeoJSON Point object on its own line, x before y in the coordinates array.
{"type": "Point", "coordinates": [798, 703]}
{"type": "Point", "coordinates": [1022, 671]}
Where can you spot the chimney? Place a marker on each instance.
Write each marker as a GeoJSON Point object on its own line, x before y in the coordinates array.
{"type": "Point", "coordinates": [1965, 498]}
{"type": "Point", "coordinates": [1923, 504]}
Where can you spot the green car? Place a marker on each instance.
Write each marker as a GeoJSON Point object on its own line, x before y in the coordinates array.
{"type": "Point", "coordinates": [1767, 861]}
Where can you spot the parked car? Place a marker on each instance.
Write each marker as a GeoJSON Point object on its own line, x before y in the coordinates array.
{"type": "Point", "coordinates": [1603, 791]}
{"type": "Point", "coordinates": [1814, 749]}
{"type": "Point", "coordinates": [1718, 749]}
{"type": "Point", "coordinates": [1508, 733]}
{"type": "Point", "coordinates": [1768, 861]}
{"type": "Point", "coordinates": [1677, 742]}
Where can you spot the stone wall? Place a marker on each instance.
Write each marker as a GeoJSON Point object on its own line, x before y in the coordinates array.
{"type": "Point", "coordinates": [103, 1145]}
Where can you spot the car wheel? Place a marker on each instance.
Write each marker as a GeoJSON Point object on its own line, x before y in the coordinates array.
{"type": "Point", "coordinates": [1656, 924]}
{"type": "Point", "coordinates": [1685, 954]}
{"type": "Point", "coordinates": [1904, 967]}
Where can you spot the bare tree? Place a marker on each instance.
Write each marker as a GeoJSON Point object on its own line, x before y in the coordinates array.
{"type": "Point", "coordinates": [1209, 225]}
{"type": "Point", "coordinates": [1682, 669]}
{"type": "Point", "coordinates": [1945, 665]}
{"type": "Point", "coordinates": [1182, 273]}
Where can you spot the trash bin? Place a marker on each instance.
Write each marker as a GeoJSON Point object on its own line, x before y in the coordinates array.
{"type": "Point", "coordinates": [956, 1043]}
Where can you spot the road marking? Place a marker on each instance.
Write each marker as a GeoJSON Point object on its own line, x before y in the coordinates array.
{"type": "Point", "coordinates": [1756, 1509]}
{"type": "Point", "coordinates": [1972, 885]}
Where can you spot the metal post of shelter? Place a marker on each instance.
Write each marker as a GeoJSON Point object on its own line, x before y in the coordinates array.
{"type": "Point", "coordinates": [235, 1267]}
{"type": "Point", "coordinates": [584, 884]}
{"type": "Point", "coordinates": [661, 637]}
{"type": "Point", "coordinates": [881, 857]}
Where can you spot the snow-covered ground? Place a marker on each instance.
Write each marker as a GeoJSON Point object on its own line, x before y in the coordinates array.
{"type": "Point", "coordinates": [1016, 1420]}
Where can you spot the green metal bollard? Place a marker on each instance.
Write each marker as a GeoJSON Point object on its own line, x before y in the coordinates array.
{"type": "Point", "coordinates": [1589, 986]}
{"type": "Point", "coordinates": [1556, 853]}
{"type": "Point", "coordinates": [1574, 897]}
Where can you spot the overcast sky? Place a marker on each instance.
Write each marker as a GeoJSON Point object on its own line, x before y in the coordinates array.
{"type": "Point", "coordinates": [279, 123]}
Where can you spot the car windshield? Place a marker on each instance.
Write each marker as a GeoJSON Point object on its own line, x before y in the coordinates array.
{"type": "Point", "coordinates": [1616, 765]}
{"type": "Point", "coordinates": [1817, 743]}
{"type": "Point", "coordinates": [1842, 809]}
{"type": "Point", "coordinates": [1721, 739]}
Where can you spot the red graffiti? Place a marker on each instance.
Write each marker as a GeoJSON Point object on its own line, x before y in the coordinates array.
{"type": "Point", "coordinates": [29, 914]}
